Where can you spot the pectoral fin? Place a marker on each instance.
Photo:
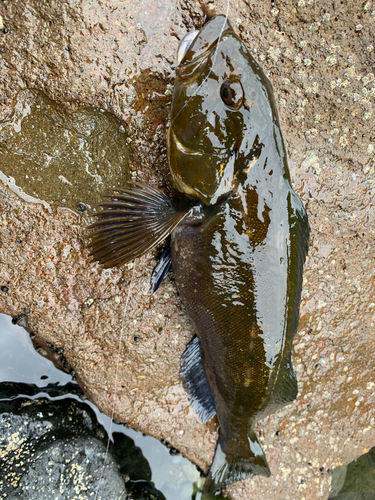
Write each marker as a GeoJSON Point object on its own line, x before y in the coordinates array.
{"type": "Point", "coordinates": [137, 219]}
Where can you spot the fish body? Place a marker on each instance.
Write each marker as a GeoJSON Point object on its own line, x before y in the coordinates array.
{"type": "Point", "coordinates": [240, 279]}
{"type": "Point", "coordinates": [237, 255]}
{"type": "Point", "coordinates": [239, 269]}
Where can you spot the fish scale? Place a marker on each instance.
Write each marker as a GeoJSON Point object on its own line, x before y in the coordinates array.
{"type": "Point", "coordinates": [239, 270]}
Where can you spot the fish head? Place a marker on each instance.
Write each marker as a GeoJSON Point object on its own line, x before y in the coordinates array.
{"type": "Point", "coordinates": [212, 131]}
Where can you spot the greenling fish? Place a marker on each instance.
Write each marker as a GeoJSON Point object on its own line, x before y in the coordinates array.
{"type": "Point", "coordinates": [239, 238]}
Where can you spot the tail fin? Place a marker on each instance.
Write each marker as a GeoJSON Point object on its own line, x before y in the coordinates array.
{"type": "Point", "coordinates": [227, 469]}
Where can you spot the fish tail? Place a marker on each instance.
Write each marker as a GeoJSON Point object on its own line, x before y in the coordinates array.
{"type": "Point", "coordinates": [227, 469]}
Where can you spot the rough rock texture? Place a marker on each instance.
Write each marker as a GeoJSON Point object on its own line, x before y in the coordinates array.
{"type": "Point", "coordinates": [73, 304]}
{"type": "Point", "coordinates": [119, 56]}
{"type": "Point", "coordinates": [49, 451]}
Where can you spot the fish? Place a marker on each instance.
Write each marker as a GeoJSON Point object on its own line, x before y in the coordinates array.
{"type": "Point", "coordinates": [239, 237]}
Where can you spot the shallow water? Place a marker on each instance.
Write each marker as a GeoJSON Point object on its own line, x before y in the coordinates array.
{"type": "Point", "coordinates": [65, 158]}
{"type": "Point", "coordinates": [173, 475]}
{"type": "Point", "coordinates": [355, 481]}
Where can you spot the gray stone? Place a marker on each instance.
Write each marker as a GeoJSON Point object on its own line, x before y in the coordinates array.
{"type": "Point", "coordinates": [47, 452]}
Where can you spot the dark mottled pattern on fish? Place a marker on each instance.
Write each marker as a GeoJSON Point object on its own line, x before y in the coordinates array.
{"type": "Point", "coordinates": [239, 269]}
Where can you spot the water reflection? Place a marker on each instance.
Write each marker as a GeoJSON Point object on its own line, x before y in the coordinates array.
{"type": "Point", "coordinates": [355, 481]}
{"type": "Point", "coordinates": [154, 470]}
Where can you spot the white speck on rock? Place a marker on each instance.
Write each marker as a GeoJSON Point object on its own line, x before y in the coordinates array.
{"type": "Point", "coordinates": [65, 180]}
{"type": "Point", "coordinates": [169, 90]}
{"type": "Point", "coordinates": [309, 162]}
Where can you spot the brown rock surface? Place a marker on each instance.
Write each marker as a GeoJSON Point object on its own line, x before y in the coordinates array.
{"type": "Point", "coordinates": [119, 56]}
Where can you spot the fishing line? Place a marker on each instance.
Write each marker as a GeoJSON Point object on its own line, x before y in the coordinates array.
{"type": "Point", "coordinates": [116, 379]}
{"type": "Point", "coordinates": [221, 32]}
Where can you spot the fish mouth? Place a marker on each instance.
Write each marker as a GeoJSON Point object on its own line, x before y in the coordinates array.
{"type": "Point", "coordinates": [188, 70]}
{"type": "Point", "coordinates": [203, 45]}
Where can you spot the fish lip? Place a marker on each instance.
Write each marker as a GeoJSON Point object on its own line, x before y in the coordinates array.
{"type": "Point", "coordinates": [189, 70]}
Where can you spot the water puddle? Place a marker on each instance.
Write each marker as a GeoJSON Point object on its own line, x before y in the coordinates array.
{"type": "Point", "coordinates": [355, 481]}
{"type": "Point", "coordinates": [65, 158]}
{"type": "Point", "coordinates": [33, 390]}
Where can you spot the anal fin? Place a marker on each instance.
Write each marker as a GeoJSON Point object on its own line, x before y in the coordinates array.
{"type": "Point", "coordinates": [195, 381]}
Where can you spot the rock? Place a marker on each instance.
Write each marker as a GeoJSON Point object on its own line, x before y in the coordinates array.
{"type": "Point", "coordinates": [83, 312]}
{"type": "Point", "coordinates": [143, 491]}
{"type": "Point", "coordinates": [119, 57]}
{"type": "Point", "coordinates": [49, 450]}
{"type": "Point", "coordinates": [67, 147]}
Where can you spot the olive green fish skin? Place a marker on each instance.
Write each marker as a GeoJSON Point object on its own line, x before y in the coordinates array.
{"type": "Point", "coordinates": [240, 278]}
{"type": "Point", "coordinates": [238, 269]}
{"type": "Point", "coordinates": [211, 146]}
{"type": "Point", "coordinates": [239, 239]}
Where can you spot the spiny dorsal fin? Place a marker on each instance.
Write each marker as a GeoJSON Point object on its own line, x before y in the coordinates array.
{"type": "Point", "coordinates": [195, 381]}
{"type": "Point", "coordinates": [137, 219]}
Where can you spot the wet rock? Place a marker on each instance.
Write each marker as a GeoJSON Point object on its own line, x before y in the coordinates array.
{"type": "Point", "coordinates": [119, 57]}
{"type": "Point", "coordinates": [61, 157]}
{"type": "Point", "coordinates": [48, 449]}
{"type": "Point", "coordinates": [89, 315]}
{"type": "Point", "coordinates": [143, 491]}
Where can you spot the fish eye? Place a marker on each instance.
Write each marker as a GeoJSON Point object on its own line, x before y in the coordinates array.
{"type": "Point", "coordinates": [231, 93]}
{"type": "Point", "coordinates": [185, 44]}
